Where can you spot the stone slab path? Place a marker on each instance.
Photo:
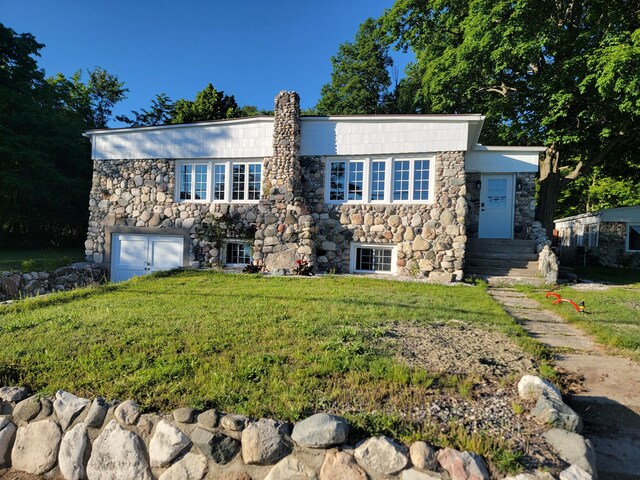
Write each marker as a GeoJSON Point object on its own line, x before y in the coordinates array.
{"type": "Point", "coordinates": [610, 400]}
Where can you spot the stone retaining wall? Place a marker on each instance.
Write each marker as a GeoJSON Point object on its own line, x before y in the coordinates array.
{"type": "Point", "coordinates": [76, 438]}
{"type": "Point", "coordinates": [15, 285]}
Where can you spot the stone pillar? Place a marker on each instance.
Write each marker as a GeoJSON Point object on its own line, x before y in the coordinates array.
{"type": "Point", "coordinates": [287, 232]}
{"type": "Point", "coordinates": [283, 171]}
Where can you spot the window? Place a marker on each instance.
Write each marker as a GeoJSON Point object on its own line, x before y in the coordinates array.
{"type": "Point", "coordinates": [633, 238]}
{"type": "Point", "coordinates": [229, 181]}
{"type": "Point", "coordinates": [193, 181]}
{"type": "Point", "coordinates": [238, 254]}
{"type": "Point", "coordinates": [373, 258]}
{"type": "Point", "coordinates": [592, 237]}
{"type": "Point", "coordinates": [403, 180]}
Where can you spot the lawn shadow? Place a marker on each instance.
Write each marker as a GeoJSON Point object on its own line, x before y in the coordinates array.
{"type": "Point", "coordinates": [615, 276]}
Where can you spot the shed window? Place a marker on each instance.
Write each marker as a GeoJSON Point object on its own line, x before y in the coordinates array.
{"type": "Point", "coordinates": [633, 238]}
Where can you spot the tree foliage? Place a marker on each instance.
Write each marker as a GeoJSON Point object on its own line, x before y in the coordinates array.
{"type": "Point", "coordinates": [554, 72]}
{"type": "Point", "coordinates": [360, 78]}
{"type": "Point", "coordinates": [45, 167]}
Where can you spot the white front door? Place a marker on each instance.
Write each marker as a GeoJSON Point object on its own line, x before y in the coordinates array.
{"type": "Point", "coordinates": [135, 254]}
{"type": "Point", "coordinates": [496, 206]}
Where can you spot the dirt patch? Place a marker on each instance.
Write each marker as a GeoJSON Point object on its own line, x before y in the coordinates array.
{"type": "Point", "coordinates": [9, 474]}
{"type": "Point", "coordinates": [458, 349]}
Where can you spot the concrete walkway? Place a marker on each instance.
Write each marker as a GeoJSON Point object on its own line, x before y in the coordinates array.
{"type": "Point", "coordinates": [610, 400]}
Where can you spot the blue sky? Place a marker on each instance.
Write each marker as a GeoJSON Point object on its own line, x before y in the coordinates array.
{"type": "Point", "coordinates": [249, 48]}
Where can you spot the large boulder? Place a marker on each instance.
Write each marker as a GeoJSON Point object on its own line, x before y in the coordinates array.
{"type": "Point", "coordinates": [531, 387]}
{"type": "Point", "coordinates": [341, 465]}
{"type": "Point", "coordinates": [290, 468]}
{"type": "Point", "coordinates": [423, 456]}
{"type": "Point", "coordinates": [263, 443]}
{"type": "Point", "coordinates": [189, 467]}
{"type": "Point", "coordinates": [320, 431]}
{"type": "Point", "coordinates": [13, 394]}
{"type": "Point", "coordinates": [573, 449]}
{"type": "Point", "coordinates": [167, 443]}
{"type": "Point", "coordinates": [215, 445]}
{"type": "Point", "coordinates": [382, 455]}
{"type": "Point", "coordinates": [36, 447]}
{"type": "Point", "coordinates": [7, 434]}
{"type": "Point", "coordinates": [96, 413]}
{"type": "Point", "coordinates": [554, 412]}
{"type": "Point", "coordinates": [574, 472]}
{"type": "Point", "coordinates": [72, 453]}
{"type": "Point", "coordinates": [127, 413]}
{"type": "Point", "coordinates": [118, 453]}
{"type": "Point", "coordinates": [67, 407]}
{"type": "Point", "coordinates": [463, 465]}
{"type": "Point", "coordinates": [27, 409]}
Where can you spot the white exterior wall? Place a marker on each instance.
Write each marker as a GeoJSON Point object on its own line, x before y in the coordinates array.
{"type": "Point", "coordinates": [233, 139]}
{"type": "Point", "coordinates": [367, 136]}
{"type": "Point", "coordinates": [488, 160]}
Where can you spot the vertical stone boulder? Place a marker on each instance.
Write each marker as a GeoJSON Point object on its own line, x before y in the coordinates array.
{"type": "Point", "coordinates": [118, 453]}
{"type": "Point", "coordinates": [263, 443]}
{"type": "Point", "coordinates": [72, 452]}
{"type": "Point", "coordinates": [167, 443]}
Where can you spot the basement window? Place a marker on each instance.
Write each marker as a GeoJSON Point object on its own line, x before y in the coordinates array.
{"type": "Point", "coordinates": [373, 258]}
{"type": "Point", "coordinates": [237, 254]}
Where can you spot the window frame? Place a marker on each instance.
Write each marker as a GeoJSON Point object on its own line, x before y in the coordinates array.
{"type": "Point", "coordinates": [228, 180]}
{"type": "Point", "coordinates": [382, 246]}
{"type": "Point", "coordinates": [193, 174]}
{"type": "Point", "coordinates": [628, 237]}
{"type": "Point", "coordinates": [388, 183]}
{"type": "Point", "coordinates": [229, 242]}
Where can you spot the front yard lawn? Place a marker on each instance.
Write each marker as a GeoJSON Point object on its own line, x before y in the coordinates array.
{"type": "Point", "coordinates": [41, 259]}
{"type": "Point", "coordinates": [612, 313]}
{"type": "Point", "coordinates": [285, 347]}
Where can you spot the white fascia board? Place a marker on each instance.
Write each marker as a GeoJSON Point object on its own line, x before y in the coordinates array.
{"type": "Point", "coordinates": [502, 160]}
{"type": "Point", "coordinates": [502, 148]}
{"type": "Point", "coordinates": [106, 131]}
{"type": "Point", "coordinates": [417, 117]}
{"type": "Point", "coordinates": [576, 217]}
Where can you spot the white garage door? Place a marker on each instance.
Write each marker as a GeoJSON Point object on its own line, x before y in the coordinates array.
{"type": "Point", "coordinates": [134, 255]}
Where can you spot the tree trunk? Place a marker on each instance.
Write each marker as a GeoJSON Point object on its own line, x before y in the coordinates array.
{"type": "Point", "coordinates": [549, 188]}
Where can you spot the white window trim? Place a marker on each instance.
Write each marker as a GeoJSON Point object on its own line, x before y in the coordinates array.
{"type": "Point", "coordinates": [386, 246]}
{"type": "Point", "coordinates": [236, 242]}
{"type": "Point", "coordinates": [228, 183]}
{"type": "Point", "coordinates": [628, 237]}
{"type": "Point", "coordinates": [178, 181]}
{"type": "Point", "coordinates": [388, 181]}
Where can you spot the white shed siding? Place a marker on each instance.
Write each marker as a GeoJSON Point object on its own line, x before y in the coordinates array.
{"type": "Point", "coordinates": [335, 136]}
{"type": "Point", "coordinates": [236, 139]}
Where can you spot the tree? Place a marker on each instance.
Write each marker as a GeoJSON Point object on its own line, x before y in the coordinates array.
{"type": "Point", "coordinates": [360, 77]}
{"type": "Point", "coordinates": [554, 72]}
{"type": "Point", "coordinates": [160, 113]}
{"type": "Point", "coordinates": [45, 167]}
{"type": "Point", "coordinates": [209, 104]}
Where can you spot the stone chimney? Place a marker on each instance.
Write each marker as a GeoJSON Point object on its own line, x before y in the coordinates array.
{"type": "Point", "coordinates": [284, 168]}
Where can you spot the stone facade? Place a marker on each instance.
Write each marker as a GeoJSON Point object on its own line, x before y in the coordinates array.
{"type": "Point", "coordinates": [611, 249]}
{"type": "Point", "coordinates": [292, 220]}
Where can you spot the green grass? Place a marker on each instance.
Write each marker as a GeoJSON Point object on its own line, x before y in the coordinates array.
{"type": "Point", "coordinates": [279, 347]}
{"type": "Point", "coordinates": [613, 315]}
{"type": "Point", "coordinates": [618, 276]}
{"type": "Point", "coordinates": [44, 259]}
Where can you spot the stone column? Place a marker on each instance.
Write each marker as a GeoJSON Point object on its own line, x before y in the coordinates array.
{"type": "Point", "coordinates": [286, 232]}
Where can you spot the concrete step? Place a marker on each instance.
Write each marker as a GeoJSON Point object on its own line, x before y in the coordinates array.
{"type": "Point", "coordinates": [499, 255]}
{"type": "Point", "coordinates": [500, 263]}
{"type": "Point", "coordinates": [501, 272]}
{"type": "Point", "coordinates": [500, 245]}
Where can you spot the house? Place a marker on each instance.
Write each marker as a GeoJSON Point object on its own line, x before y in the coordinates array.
{"type": "Point", "coordinates": [610, 237]}
{"type": "Point", "coordinates": [395, 194]}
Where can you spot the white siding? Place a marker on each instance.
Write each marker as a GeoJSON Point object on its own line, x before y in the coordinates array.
{"type": "Point", "coordinates": [335, 136]}
{"type": "Point", "coordinates": [235, 139]}
{"type": "Point", "coordinates": [501, 161]}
